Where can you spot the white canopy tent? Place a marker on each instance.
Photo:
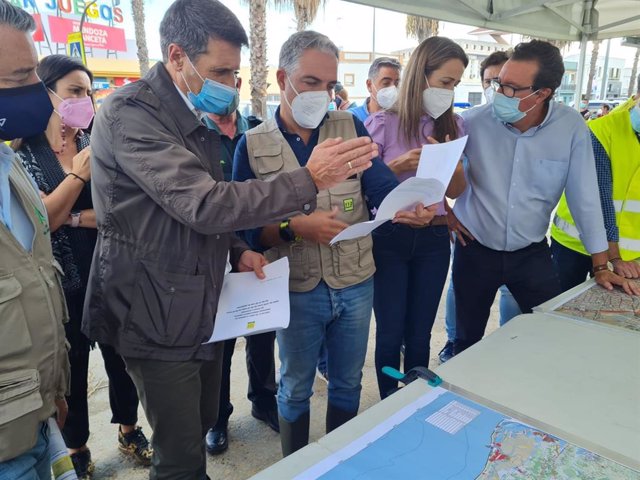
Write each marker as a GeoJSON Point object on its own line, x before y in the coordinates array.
{"type": "Point", "coordinates": [577, 20]}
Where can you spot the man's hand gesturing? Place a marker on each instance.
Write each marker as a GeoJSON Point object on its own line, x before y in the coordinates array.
{"type": "Point", "coordinates": [335, 160]}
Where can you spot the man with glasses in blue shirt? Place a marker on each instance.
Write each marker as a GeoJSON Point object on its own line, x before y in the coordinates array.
{"type": "Point", "coordinates": [523, 150]}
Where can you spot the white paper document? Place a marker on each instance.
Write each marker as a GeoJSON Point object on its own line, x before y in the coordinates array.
{"type": "Point", "coordinates": [249, 305]}
{"type": "Point", "coordinates": [436, 167]}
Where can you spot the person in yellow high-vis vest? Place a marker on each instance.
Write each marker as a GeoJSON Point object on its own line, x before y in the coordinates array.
{"type": "Point", "coordinates": [616, 148]}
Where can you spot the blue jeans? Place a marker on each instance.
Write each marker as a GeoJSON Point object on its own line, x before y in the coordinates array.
{"type": "Point", "coordinates": [32, 465]}
{"type": "Point", "coordinates": [411, 269]}
{"type": "Point", "coordinates": [322, 361]}
{"type": "Point", "coordinates": [338, 317]}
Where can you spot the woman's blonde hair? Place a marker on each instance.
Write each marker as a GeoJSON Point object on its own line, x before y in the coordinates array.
{"type": "Point", "coordinates": [430, 55]}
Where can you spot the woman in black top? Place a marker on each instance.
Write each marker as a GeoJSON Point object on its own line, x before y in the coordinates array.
{"type": "Point", "coordinates": [58, 161]}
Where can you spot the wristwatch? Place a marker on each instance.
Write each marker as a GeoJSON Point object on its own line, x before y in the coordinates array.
{"type": "Point", "coordinates": [286, 232]}
{"type": "Point", "coordinates": [75, 219]}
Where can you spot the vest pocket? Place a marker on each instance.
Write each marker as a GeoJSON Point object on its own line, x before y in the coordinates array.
{"type": "Point", "coordinates": [167, 308]}
{"type": "Point", "coordinates": [19, 395]}
{"type": "Point", "coordinates": [269, 160]}
{"type": "Point", "coordinates": [20, 399]}
{"type": "Point", "coordinates": [14, 331]}
{"type": "Point", "coordinates": [351, 256]}
{"type": "Point", "coordinates": [298, 255]}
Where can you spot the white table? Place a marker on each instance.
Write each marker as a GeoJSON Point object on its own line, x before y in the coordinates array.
{"type": "Point", "coordinates": [578, 380]}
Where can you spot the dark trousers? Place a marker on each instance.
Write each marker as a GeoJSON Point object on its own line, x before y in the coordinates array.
{"type": "Point", "coordinates": [123, 398]}
{"type": "Point", "coordinates": [411, 269]}
{"type": "Point", "coordinates": [572, 267]}
{"type": "Point", "coordinates": [180, 400]}
{"type": "Point", "coordinates": [261, 369]}
{"type": "Point", "coordinates": [479, 271]}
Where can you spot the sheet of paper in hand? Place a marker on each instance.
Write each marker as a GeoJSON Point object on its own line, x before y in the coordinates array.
{"type": "Point", "coordinates": [436, 167]}
{"type": "Point", "coordinates": [248, 305]}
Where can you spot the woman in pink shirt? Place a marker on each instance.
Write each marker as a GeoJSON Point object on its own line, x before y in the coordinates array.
{"type": "Point", "coordinates": [412, 263]}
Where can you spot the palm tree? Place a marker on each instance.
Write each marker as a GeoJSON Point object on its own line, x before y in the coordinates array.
{"type": "Point", "coordinates": [137, 6]}
{"type": "Point", "coordinates": [634, 75]}
{"type": "Point", "coordinates": [592, 68]}
{"type": "Point", "coordinates": [304, 10]}
{"type": "Point", "coordinates": [421, 28]}
{"type": "Point", "coordinates": [258, 54]}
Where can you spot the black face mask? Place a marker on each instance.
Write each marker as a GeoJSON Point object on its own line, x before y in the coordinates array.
{"type": "Point", "coordinates": [24, 111]}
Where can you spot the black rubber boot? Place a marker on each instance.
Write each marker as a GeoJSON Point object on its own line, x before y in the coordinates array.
{"type": "Point", "coordinates": [294, 435]}
{"type": "Point", "coordinates": [337, 417]}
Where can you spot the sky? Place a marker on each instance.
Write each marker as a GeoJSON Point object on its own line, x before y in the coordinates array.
{"type": "Point", "coordinates": [349, 25]}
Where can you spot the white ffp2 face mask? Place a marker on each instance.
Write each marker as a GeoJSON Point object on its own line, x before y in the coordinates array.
{"type": "Point", "coordinates": [436, 101]}
{"type": "Point", "coordinates": [387, 96]}
{"type": "Point", "coordinates": [489, 92]}
{"type": "Point", "coordinates": [308, 108]}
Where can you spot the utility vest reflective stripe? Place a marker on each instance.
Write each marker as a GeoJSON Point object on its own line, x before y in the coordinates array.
{"type": "Point", "coordinates": [618, 139]}
{"type": "Point", "coordinates": [343, 264]}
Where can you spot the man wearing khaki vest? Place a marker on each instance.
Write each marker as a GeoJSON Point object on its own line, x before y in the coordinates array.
{"type": "Point", "coordinates": [33, 358]}
{"type": "Point", "coordinates": [331, 286]}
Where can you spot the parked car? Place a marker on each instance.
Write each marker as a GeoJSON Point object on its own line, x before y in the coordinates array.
{"type": "Point", "coordinates": [245, 109]}
{"type": "Point", "coordinates": [595, 106]}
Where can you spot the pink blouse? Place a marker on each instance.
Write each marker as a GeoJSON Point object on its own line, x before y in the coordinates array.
{"type": "Point", "coordinates": [384, 130]}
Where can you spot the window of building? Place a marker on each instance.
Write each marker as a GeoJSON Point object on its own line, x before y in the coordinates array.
{"type": "Point", "coordinates": [475, 98]}
{"type": "Point", "coordinates": [349, 80]}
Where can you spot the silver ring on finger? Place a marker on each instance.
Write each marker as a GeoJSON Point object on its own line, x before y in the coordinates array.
{"type": "Point", "coordinates": [349, 165]}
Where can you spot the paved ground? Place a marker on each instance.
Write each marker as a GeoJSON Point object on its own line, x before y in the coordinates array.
{"type": "Point", "coordinates": [253, 446]}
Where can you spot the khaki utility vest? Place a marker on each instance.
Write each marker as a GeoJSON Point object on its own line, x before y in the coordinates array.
{"type": "Point", "coordinates": [343, 264]}
{"type": "Point", "coordinates": [34, 367]}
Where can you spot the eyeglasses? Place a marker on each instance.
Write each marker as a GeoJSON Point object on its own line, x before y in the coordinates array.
{"type": "Point", "coordinates": [507, 90]}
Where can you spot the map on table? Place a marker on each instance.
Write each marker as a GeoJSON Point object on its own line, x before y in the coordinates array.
{"type": "Point", "coordinates": [444, 436]}
{"type": "Point", "coordinates": [590, 301]}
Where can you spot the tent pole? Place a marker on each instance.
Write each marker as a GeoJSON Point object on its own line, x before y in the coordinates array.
{"type": "Point", "coordinates": [580, 72]}
{"type": "Point", "coordinates": [605, 73]}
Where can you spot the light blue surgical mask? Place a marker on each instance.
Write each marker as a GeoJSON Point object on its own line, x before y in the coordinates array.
{"type": "Point", "coordinates": [214, 97]}
{"type": "Point", "coordinates": [635, 118]}
{"type": "Point", "coordinates": [506, 109]}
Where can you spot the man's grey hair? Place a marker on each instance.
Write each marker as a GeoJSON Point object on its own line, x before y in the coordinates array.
{"type": "Point", "coordinates": [380, 62]}
{"type": "Point", "coordinates": [297, 43]}
{"type": "Point", "coordinates": [192, 23]}
{"type": "Point", "coordinates": [16, 17]}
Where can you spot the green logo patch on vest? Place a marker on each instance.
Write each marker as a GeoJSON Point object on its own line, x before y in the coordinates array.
{"type": "Point", "coordinates": [347, 203]}
{"type": "Point", "coordinates": [43, 220]}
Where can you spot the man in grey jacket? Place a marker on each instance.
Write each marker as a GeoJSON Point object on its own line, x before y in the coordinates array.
{"type": "Point", "coordinates": [164, 220]}
{"type": "Point", "coordinates": [34, 368]}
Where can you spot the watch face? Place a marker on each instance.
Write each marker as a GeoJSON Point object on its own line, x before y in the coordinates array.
{"type": "Point", "coordinates": [285, 231]}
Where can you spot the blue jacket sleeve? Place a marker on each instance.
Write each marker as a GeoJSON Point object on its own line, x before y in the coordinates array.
{"type": "Point", "coordinates": [378, 180]}
{"type": "Point", "coordinates": [242, 172]}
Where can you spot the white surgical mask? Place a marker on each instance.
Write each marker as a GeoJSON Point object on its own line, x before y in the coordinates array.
{"type": "Point", "coordinates": [489, 92]}
{"type": "Point", "coordinates": [308, 108]}
{"type": "Point", "coordinates": [436, 101]}
{"type": "Point", "coordinates": [387, 96]}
